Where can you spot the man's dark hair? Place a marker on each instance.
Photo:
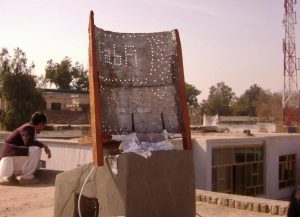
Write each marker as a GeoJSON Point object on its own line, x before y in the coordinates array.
{"type": "Point", "coordinates": [37, 118]}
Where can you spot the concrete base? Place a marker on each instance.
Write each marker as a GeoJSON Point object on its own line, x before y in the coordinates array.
{"type": "Point", "coordinates": [162, 185]}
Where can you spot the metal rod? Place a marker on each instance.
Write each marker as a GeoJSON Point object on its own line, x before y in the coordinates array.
{"type": "Point", "coordinates": [132, 123]}
{"type": "Point", "coordinates": [162, 121]}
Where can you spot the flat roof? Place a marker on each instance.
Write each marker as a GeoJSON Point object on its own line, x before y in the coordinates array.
{"type": "Point", "coordinates": [64, 91]}
{"type": "Point", "coordinates": [224, 136]}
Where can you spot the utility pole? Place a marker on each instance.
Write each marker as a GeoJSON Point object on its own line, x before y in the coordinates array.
{"type": "Point", "coordinates": [290, 98]}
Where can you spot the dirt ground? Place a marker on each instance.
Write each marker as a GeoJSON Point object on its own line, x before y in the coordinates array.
{"type": "Point", "coordinates": [38, 200]}
{"type": "Point", "coordinates": [29, 200]}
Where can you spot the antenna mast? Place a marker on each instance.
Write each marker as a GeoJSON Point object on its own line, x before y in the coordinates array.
{"type": "Point", "coordinates": [290, 99]}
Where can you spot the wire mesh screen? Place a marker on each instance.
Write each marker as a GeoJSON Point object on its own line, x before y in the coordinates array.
{"type": "Point", "coordinates": [138, 74]}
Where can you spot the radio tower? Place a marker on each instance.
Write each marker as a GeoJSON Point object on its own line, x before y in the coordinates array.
{"type": "Point", "coordinates": [290, 99]}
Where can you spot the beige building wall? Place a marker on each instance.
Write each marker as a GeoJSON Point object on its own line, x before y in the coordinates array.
{"type": "Point", "coordinates": [68, 101]}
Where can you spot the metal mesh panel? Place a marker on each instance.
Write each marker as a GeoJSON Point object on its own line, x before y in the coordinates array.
{"type": "Point", "coordinates": [138, 74]}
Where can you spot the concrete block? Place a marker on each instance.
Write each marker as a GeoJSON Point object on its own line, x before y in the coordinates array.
{"type": "Point", "coordinates": [256, 207]}
{"type": "Point", "coordinates": [282, 210]}
{"type": "Point", "coordinates": [208, 199]}
{"type": "Point", "coordinates": [244, 205]}
{"type": "Point", "coordinates": [231, 203]}
{"type": "Point", "coordinates": [160, 185]}
{"type": "Point", "coordinates": [214, 200]}
{"type": "Point", "coordinates": [250, 206]}
{"type": "Point", "coordinates": [202, 198]}
{"type": "Point", "coordinates": [264, 208]}
{"type": "Point", "coordinates": [274, 210]}
{"type": "Point", "coordinates": [237, 204]}
{"type": "Point", "coordinates": [219, 202]}
{"type": "Point", "coordinates": [224, 202]}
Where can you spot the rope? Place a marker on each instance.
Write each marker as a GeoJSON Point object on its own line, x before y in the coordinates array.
{"type": "Point", "coordinates": [80, 194]}
{"type": "Point", "coordinates": [70, 196]}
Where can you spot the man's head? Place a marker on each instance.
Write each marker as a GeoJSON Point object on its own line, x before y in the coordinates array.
{"type": "Point", "coordinates": [39, 120]}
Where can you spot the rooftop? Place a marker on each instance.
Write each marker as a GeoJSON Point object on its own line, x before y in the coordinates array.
{"type": "Point", "coordinates": [39, 201]}
{"type": "Point", "coordinates": [64, 91]}
{"type": "Point", "coordinates": [211, 136]}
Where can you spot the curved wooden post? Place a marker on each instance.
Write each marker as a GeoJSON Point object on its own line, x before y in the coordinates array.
{"type": "Point", "coordinates": [95, 108]}
{"type": "Point", "coordinates": [186, 132]}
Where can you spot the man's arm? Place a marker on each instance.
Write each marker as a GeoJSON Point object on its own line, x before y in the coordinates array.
{"type": "Point", "coordinates": [27, 134]}
{"type": "Point", "coordinates": [47, 151]}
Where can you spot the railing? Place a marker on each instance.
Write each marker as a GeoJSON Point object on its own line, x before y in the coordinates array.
{"type": "Point", "coordinates": [253, 204]}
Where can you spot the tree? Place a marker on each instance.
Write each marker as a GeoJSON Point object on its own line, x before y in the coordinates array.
{"type": "Point", "coordinates": [253, 99]}
{"type": "Point", "coordinates": [269, 105]}
{"type": "Point", "coordinates": [220, 100]}
{"type": "Point", "coordinates": [191, 93]}
{"type": "Point", "coordinates": [276, 106]}
{"type": "Point", "coordinates": [65, 75]}
{"type": "Point", "coordinates": [18, 89]}
{"type": "Point", "coordinates": [80, 77]}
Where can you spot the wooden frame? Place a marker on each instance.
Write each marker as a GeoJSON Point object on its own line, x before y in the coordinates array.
{"type": "Point", "coordinates": [290, 163]}
{"type": "Point", "coordinates": [98, 139]}
{"type": "Point", "coordinates": [233, 164]}
{"type": "Point", "coordinates": [94, 84]}
{"type": "Point", "coordinates": [186, 131]}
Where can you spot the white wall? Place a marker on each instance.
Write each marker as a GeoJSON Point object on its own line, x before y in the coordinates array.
{"type": "Point", "coordinates": [66, 155]}
{"type": "Point", "coordinates": [203, 156]}
{"type": "Point", "coordinates": [275, 146]}
{"type": "Point", "coordinates": [200, 163]}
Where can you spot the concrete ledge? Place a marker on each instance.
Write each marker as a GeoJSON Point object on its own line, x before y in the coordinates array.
{"type": "Point", "coordinates": [255, 204]}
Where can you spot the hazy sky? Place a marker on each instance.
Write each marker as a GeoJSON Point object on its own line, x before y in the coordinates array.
{"type": "Point", "coordinates": [235, 41]}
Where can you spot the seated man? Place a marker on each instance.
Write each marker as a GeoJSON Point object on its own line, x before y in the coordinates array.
{"type": "Point", "coordinates": [22, 142]}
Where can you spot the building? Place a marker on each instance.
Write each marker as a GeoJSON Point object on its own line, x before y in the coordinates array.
{"type": "Point", "coordinates": [63, 106]}
{"type": "Point", "coordinates": [72, 100]}
{"type": "Point", "coordinates": [67, 106]}
{"type": "Point", "coordinates": [61, 100]}
{"type": "Point", "coordinates": [262, 166]}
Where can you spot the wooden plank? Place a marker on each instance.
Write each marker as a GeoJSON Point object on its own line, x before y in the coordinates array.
{"type": "Point", "coordinates": [88, 140]}
{"type": "Point", "coordinates": [95, 108]}
{"type": "Point", "coordinates": [186, 132]}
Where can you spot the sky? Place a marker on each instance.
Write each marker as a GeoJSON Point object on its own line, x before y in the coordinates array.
{"type": "Point", "coordinates": [235, 41]}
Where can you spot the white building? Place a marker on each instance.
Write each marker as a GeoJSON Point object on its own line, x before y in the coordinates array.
{"type": "Point", "coordinates": [264, 166]}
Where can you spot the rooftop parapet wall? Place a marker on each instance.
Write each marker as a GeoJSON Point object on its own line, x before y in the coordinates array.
{"type": "Point", "coordinates": [255, 204]}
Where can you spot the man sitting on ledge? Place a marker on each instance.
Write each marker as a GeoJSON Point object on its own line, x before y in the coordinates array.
{"type": "Point", "coordinates": [23, 142]}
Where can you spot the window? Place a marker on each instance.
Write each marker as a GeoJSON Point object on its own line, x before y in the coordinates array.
{"type": "Point", "coordinates": [287, 170]}
{"type": "Point", "coordinates": [238, 170]}
{"type": "Point", "coordinates": [55, 106]}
